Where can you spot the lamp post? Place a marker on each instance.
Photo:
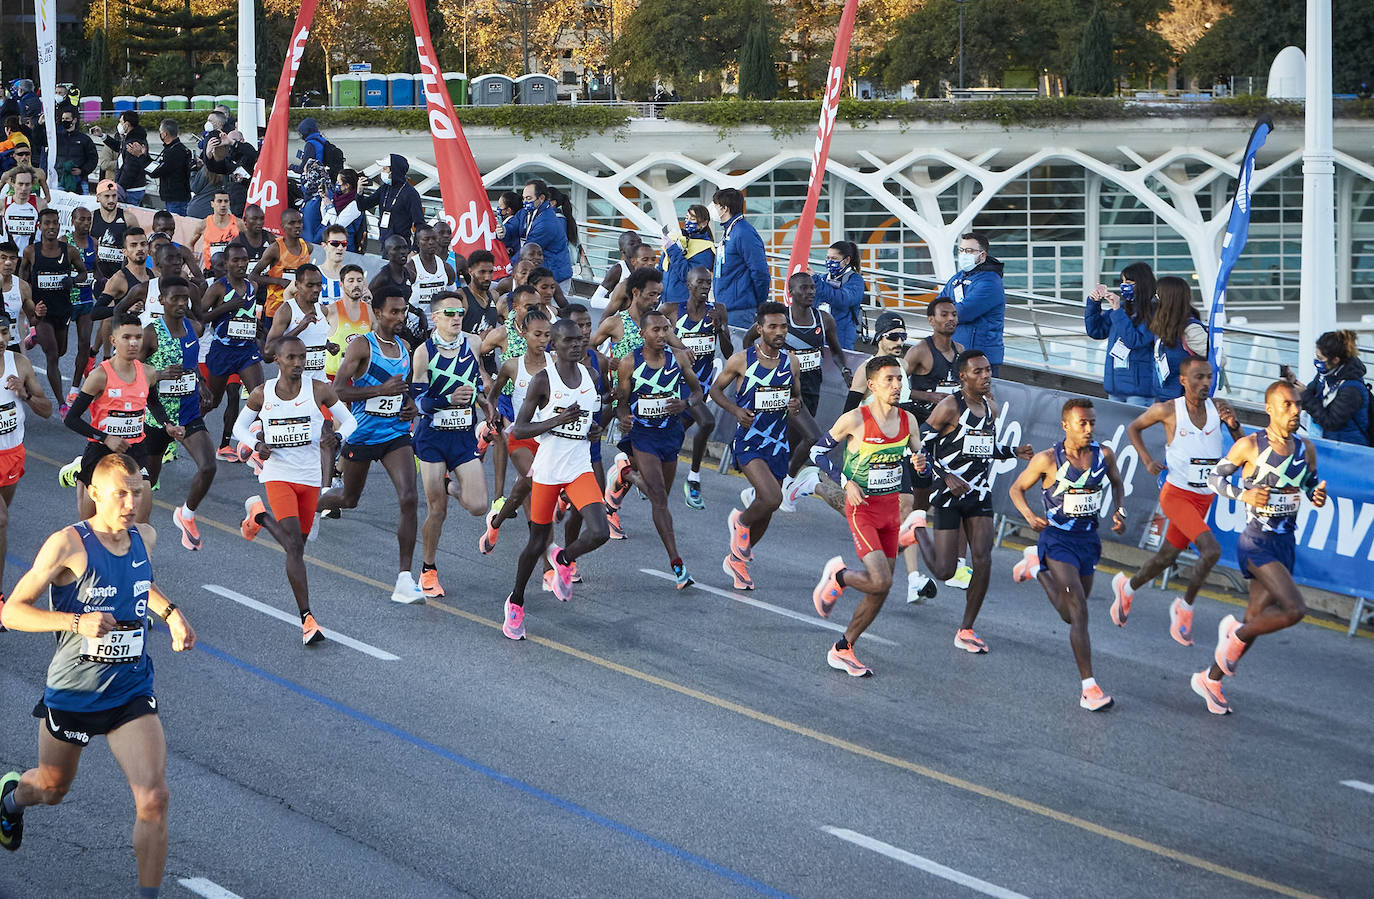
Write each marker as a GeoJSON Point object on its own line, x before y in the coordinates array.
{"type": "Point", "coordinates": [610, 28]}
{"type": "Point", "coordinates": [961, 42]}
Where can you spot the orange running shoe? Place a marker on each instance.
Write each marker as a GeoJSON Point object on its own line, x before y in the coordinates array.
{"type": "Point", "coordinates": [907, 534]}
{"type": "Point", "coordinates": [844, 660]}
{"type": "Point", "coordinates": [1094, 700]}
{"type": "Point", "coordinates": [252, 508]}
{"type": "Point", "coordinates": [739, 538]}
{"type": "Point", "coordinates": [1181, 622]}
{"type": "Point", "coordinates": [739, 571]}
{"type": "Point", "coordinates": [968, 641]}
{"type": "Point", "coordinates": [1123, 596]}
{"type": "Point", "coordinates": [1210, 690]}
{"type": "Point", "coordinates": [310, 630]}
{"type": "Point", "coordinates": [429, 583]}
{"type": "Point", "coordinates": [613, 519]}
{"type": "Point", "coordinates": [617, 485]}
{"type": "Point", "coordinates": [828, 588]}
{"type": "Point", "coordinates": [1229, 646]}
{"type": "Point", "coordinates": [1028, 566]}
{"type": "Point", "coordinates": [487, 542]}
{"type": "Point", "coordinates": [226, 454]}
{"type": "Point", "coordinates": [190, 534]}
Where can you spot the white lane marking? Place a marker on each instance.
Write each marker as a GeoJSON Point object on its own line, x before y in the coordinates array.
{"type": "Point", "coordinates": [207, 888]}
{"type": "Point", "coordinates": [769, 607]}
{"type": "Point", "coordinates": [295, 620]}
{"type": "Point", "coordinates": [1358, 785]}
{"type": "Point", "coordinates": [925, 864]}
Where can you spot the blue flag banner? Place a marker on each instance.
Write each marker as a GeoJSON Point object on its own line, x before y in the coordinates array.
{"type": "Point", "coordinates": [1237, 232]}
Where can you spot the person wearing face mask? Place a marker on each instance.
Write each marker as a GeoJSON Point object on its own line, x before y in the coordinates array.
{"type": "Point", "coordinates": [398, 205]}
{"type": "Point", "coordinates": [76, 157]}
{"type": "Point", "coordinates": [507, 205]}
{"type": "Point", "coordinates": [342, 210]}
{"type": "Point", "coordinates": [682, 254]}
{"type": "Point", "coordinates": [980, 298]}
{"type": "Point", "coordinates": [131, 143]}
{"type": "Point", "coordinates": [1337, 399]}
{"type": "Point", "coordinates": [1123, 320]}
{"type": "Point", "coordinates": [173, 171]}
{"type": "Point", "coordinates": [742, 279]}
{"type": "Point", "coordinates": [233, 157]}
{"type": "Point", "coordinates": [543, 221]}
{"type": "Point", "coordinates": [841, 290]}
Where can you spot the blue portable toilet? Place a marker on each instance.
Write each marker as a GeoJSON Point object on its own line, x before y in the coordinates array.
{"type": "Point", "coordinates": [493, 90]}
{"type": "Point", "coordinates": [402, 88]}
{"type": "Point", "coordinates": [149, 103]}
{"type": "Point", "coordinates": [374, 89]}
{"type": "Point", "coordinates": [124, 103]}
{"type": "Point", "coordinates": [420, 98]}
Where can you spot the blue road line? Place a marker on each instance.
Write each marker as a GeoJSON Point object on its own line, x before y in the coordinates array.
{"type": "Point", "coordinates": [558, 802]}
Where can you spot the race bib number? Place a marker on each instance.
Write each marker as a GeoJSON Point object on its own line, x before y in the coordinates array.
{"type": "Point", "coordinates": [288, 275]}
{"type": "Point", "coordinates": [314, 358]}
{"type": "Point", "coordinates": [452, 419]}
{"type": "Point", "coordinates": [243, 329]}
{"type": "Point", "coordinates": [772, 399]}
{"type": "Point", "coordinates": [107, 253]}
{"type": "Point", "coordinates": [50, 281]}
{"type": "Point", "coordinates": [286, 432]}
{"type": "Point", "coordinates": [947, 387]}
{"type": "Point", "coordinates": [701, 345]}
{"type": "Point", "coordinates": [182, 386]}
{"type": "Point", "coordinates": [1121, 354]}
{"type": "Point", "coordinates": [655, 406]}
{"type": "Point", "coordinates": [808, 360]}
{"type": "Point", "coordinates": [20, 226]}
{"type": "Point", "coordinates": [383, 406]}
{"type": "Point", "coordinates": [1199, 470]}
{"type": "Point", "coordinates": [1281, 504]}
{"type": "Point", "coordinates": [125, 424]}
{"type": "Point", "coordinates": [978, 446]}
{"type": "Point", "coordinates": [9, 418]}
{"type": "Point", "coordinates": [121, 646]}
{"type": "Point", "coordinates": [218, 246]}
{"type": "Point", "coordinates": [1082, 502]}
{"type": "Point", "coordinates": [578, 429]}
{"type": "Point", "coordinates": [885, 479]}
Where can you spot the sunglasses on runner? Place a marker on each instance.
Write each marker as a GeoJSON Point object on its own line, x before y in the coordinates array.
{"type": "Point", "coordinates": [894, 335]}
{"type": "Point", "coordinates": [451, 313]}
{"type": "Point", "coordinates": [337, 243]}
{"type": "Point", "coordinates": [18, 153]}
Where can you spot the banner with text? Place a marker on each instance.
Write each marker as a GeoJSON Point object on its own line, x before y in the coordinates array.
{"type": "Point", "coordinates": [45, 22]}
{"type": "Point", "coordinates": [267, 190]}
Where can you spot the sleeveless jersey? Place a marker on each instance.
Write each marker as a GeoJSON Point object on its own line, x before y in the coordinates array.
{"type": "Point", "coordinates": [565, 452]}
{"type": "Point", "coordinates": [11, 407]}
{"type": "Point", "coordinates": [88, 258]}
{"type": "Point", "coordinates": [1194, 452]}
{"type": "Point", "coordinates": [152, 304]}
{"type": "Point", "coordinates": [215, 239]}
{"type": "Point", "coordinates": [346, 328]}
{"type": "Point", "coordinates": [1286, 475]}
{"type": "Point", "coordinates": [241, 328]}
{"type": "Point", "coordinates": [652, 388]}
{"type": "Point", "coordinates": [876, 463]}
{"type": "Point", "coordinates": [180, 397]}
{"type": "Point", "coordinates": [291, 428]}
{"type": "Point", "coordinates": [51, 278]}
{"type": "Point", "coordinates": [765, 392]}
{"type": "Point", "coordinates": [516, 346]}
{"type": "Point", "coordinates": [89, 674]}
{"type": "Point", "coordinates": [428, 283]}
{"type": "Point", "coordinates": [120, 409]}
{"type": "Point", "coordinates": [1073, 501]}
{"type": "Point", "coordinates": [700, 337]}
{"type": "Point", "coordinates": [478, 319]}
{"type": "Point", "coordinates": [285, 267]}
{"type": "Point", "coordinates": [331, 290]}
{"type": "Point", "coordinates": [14, 305]}
{"type": "Point", "coordinates": [21, 222]}
{"type": "Point", "coordinates": [255, 252]}
{"type": "Point", "coordinates": [109, 239]}
{"type": "Point", "coordinates": [968, 452]}
{"type": "Point", "coordinates": [521, 384]}
{"type": "Point", "coordinates": [943, 377]}
{"type": "Point", "coordinates": [447, 374]}
{"type": "Point", "coordinates": [379, 416]}
{"type": "Point", "coordinates": [632, 339]}
{"type": "Point", "coordinates": [315, 336]}
{"type": "Point", "coordinates": [805, 342]}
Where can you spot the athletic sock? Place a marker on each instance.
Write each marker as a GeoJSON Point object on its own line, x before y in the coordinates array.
{"type": "Point", "coordinates": [11, 807]}
{"type": "Point", "coordinates": [1090, 682]}
{"type": "Point", "coordinates": [842, 644]}
{"type": "Point", "coordinates": [425, 566]}
{"type": "Point", "coordinates": [188, 513]}
{"type": "Point", "coordinates": [839, 577]}
{"type": "Point", "coordinates": [305, 613]}
{"type": "Point", "coordinates": [148, 892]}
{"type": "Point", "coordinates": [694, 476]}
{"type": "Point", "coordinates": [1128, 589]}
{"type": "Point", "coordinates": [675, 563]}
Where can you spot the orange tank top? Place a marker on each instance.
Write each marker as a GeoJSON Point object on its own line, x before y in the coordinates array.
{"type": "Point", "coordinates": [120, 409]}
{"type": "Point", "coordinates": [285, 267]}
{"type": "Point", "coordinates": [346, 328]}
{"type": "Point", "coordinates": [215, 238]}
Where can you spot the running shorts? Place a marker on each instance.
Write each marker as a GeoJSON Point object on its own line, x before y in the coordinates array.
{"type": "Point", "coordinates": [11, 466]}
{"type": "Point", "coordinates": [77, 728]}
{"type": "Point", "coordinates": [156, 439]}
{"type": "Point", "coordinates": [1187, 514]}
{"type": "Point", "coordinates": [205, 373]}
{"type": "Point", "coordinates": [224, 360]}
{"type": "Point", "coordinates": [582, 492]}
{"type": "Point", "coordinates": [664, 443]}
{"type": "Point", "coordinates": [1081, 549]}
{"type": "Point", "coordinates": [505, 407]}
{"type": "Point", "coordinates": [949, 518]}
{"type": "Point", "coordinates": [1256, 547]}
{"type": "Point", "coordinates": [367, 453]}
{"type": "Point", "coordinates": [875, 523]}
{"type": "Point", "coordinates": [290, 500]}
{"type": "Point", "coordinates": [450, 447]}
{"type": "Point", "coordinates": [776, 462]}
{"type": "Point", "coordinates": [529, 443]}
{"type": "Point", "coordinates": [97, 450]}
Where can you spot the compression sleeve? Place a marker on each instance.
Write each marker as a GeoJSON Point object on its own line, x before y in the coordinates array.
{"type": "Point", "coordinates": [852, 400]}
{"type": "Point", "coordinates": [1220, 479]}
{"type": "Point", "coordinates": [820, 457]}
{"type": "Point", "coordinates": [344, 422]}
{"type": "Point", "coordinates": [243, 426]}
{"type": "Point", "coordinates": [103, 308]}
{"type": "Point", "coordinates": [159, 412]}
{"type": "Point", "coordinates": [1003, 451]}
{"type": "Point", "coordinates": [74, 418]}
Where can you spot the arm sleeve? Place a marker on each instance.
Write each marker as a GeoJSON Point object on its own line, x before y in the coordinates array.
{"type": "Point", "coordinates": [344, 422]}
{"type": "Point", "coordinates": [820, 457]}
{"type": "Point", "coordinates": [74, 418]}
{"type": "Point", "coordinates": [1220, 479]}
{"type": "Point", "coordinates": [351, 213]}
{"type": "Point", "coordinates": [852, 399]}
{"type": "Point", "coordinates": [242, 425]}
{"type": "Point", "coordinates": [1094, 322]}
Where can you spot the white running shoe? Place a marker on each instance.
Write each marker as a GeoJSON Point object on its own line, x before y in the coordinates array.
{"type": "Point", "coordinates": [746, 497]}
{"type": "Point", "coordinates": [919, 588]}
{"type": "Point", "coordinates": [407, 591]}
{"type": "Point", "coordinates": [789, 495]}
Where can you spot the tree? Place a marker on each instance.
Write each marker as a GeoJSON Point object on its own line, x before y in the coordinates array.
{"type": "Point", "coordinates": [758, 79]}
{"type": "Point", "coordinates": [1093, 71]}
{"type": "Point", "coordinates": [681, 43]}
{"type": "Point", "coordinates": [1185, 21]}
{"type": "Point", "coordinates": [160, 26]}
{"type": "Point", "coordinates": [96, 72]}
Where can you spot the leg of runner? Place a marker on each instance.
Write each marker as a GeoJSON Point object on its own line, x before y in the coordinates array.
{"type": "Point", "coordinates": [802, 434]}
{"type": "Point", "coordinates": [6, 498]}
{"type": "Point", "coordinates": [940, 548]}
{"type": "Point", "coordinates": [83, 352]}
{"type": "Point", "coordinates": [46, 784]}
{"type": "Point", "coordinates": [436, 512]}
{"type": "Point", "coordinates": [701, 417]}
{"type": "Point", "coordinates": [519, 493]}
{"type": "Point", "coordinates": [347, 496]}
{"type": "Point", "coordinates": [47, 339]}
{"type": "Point", "coordinates": [658, 475]}
{"type": "Point", "coordinates": [140, 747]}
{"type": "Point", "coordinates": [202, 451]}
{"type": "Point", "coordinates": [500, 452]}
{"type": "Point", "coordinates": [1275, 603]}
{"type": "Point", "coordinates": [767, 498]}
{"type": "Point", "coordinates": [472, 487]}
{"type": "Point", "coordinates": [287, 530]}
{"type": "Point", "coordinates": [979, 531]}
{"type": "Point", "coordinates": [1068, 592]}
{"type": "Point", "coordinates": [1180, 613]}
{"type": "Point", "coordinates": [400, 467]}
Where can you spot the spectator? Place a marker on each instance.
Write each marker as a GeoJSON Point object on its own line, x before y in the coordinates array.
{"type": "Point", "coordinates": [317, 148]}
{"type": "Point", "coordinates": [342, 210]}
{"type": "Point", "coordinates": [507, 205]}
{"type": "Point", "coordinates": [62, 101]}
{"type": "Point", "coordinates": [1122, 319]}
{"type": "Point", "coordinates": [214, 128]}
{"type": "Point", "coordinates": [841, 290]}
{"type": "Point", "coordinates": [741, 276]}
{"type": "Point", "coordinates": [980, 298]}
{"type": "Point", "coordinates": [1179, 333]}
{"type": "Point", "coordinates": [30, 106]}
{"type": "Point", "coordinates": [234, 158]}
{"type": "Point", "coordinates": [131, 145]}
{"type": "Point", "coordinates": [31, 114]}
{"type": "Point", "coordinates": [545, 218]}
{"type": "Point", "coordinates": [314, 187]}
{"type": "Point", "coordinates": [76, 158]}
{"type": "Point", "coordinates": [1337, 399]}
{"type": "Point", "coordinates": [399, 210]}
{"type": "Point", "coordinates": [695, 247]}
{"type": "Point", "coordinates": [172, 169]}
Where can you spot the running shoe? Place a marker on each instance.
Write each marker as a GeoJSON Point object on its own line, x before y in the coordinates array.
{"type": "Point", "coordinates": [66, 475]}
{"type": "Point", "coordinates": [968, 641]}
{"type": "Point", "coordinates": [1028, 566]}
{"type": "Point", "coordinates": [691, 492]}
{"type": "Point", "coordinates": [62, 409]}
{"type": "Point", "coordinates": [576, 575]}
{"type": "Point", "coordinates": [919, 587]}
{"type": "Point", "coordinates": [684, 580]}
{"type": "Point", "coordinates": [1210, 690]}
{"type": "Point", "coordinates": [310, 631]}
{"type": "Point", "coordinates": [252, 508]}
{"type": "Point", "coordinates": [11, 826]}
{"type": "Point", "coordinates": [190, 534]}
{"type": "Point", "coordinates": [1181, 622]}
{"type": "Point", "coordinates": [487, 542]}
{"type": "Point", "coordinates": [91, 362]}
{"type": "Point", "coordinates": [739, 537]}
{"type": "Point", "coordinates": [906, 535]}
{"type": "Point", "coordinates": [788, 502]}
{"type": "Point", "coordinates": [746, 497]}
{"type": "Point", "coordinates": [227, 454]}
{"type": "Point", "coordinates": [429, 583]}
{"type": "Point", "coordinates": [738, 571]}
{"type": "Point", "coordinates": [169, 454]}
{"type": "Point", "coordinates": [1229, 646]}
{"type": "Point", "coordinates": [496, 504]}
{"type": "Point", "coordinates": [827, 591]}
{"type": "Point", "coordinates": [2, 611]}
{"type": "Point", "coordinates": [32, 340]}
{"type": "Point", "coordinates": [548, 581]}
{"type": "Point", "coordinates": [613, 519]}
{"type": "Point", "coordinates": [560, 508]}
{"type": "Point", "coordinates": [962, 575]}
{"type": "Point", "coordinates": [562, 574]}
{"type": "Point", "coordinates": [71, 395]}
{"type": "Point", "coordinates": [806, 482]}
{"type": "Point", "coordinates": [1094, 700]}
{"type": "Point", "coordinates": [484, 436]}
{"type": "Point", "coordinates": [514, 625]}
{"type": "Point", "coordinates": [1122, 597]}
{"type": "Point", "coordinates": [617, 484]}
{"type": "Point", "coordinates": [844, 660]}
{"type": "Point", "coordinates": [406, 591]}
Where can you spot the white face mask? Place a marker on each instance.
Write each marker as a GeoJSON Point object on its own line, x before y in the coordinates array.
{"type": "Point", "coordinates": [386, 177]}
{"type": "Point", "coordinates": [967, 261]}
{"type": "Point", "coordinates": [716, 215]}
{"type": "Point", "coordinates": [210, 126]}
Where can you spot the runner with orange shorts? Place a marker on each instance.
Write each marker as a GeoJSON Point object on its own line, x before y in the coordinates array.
{"type": "Point", "coordinates": [19, 387]}
{"type": "Point", "coordinates": [1193, 429]}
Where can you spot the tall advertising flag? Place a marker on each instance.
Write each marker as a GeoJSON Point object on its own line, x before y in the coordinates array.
{"type": "Point", "coordinates": [45, 21]}
{"type": "Point", "coordinates": [267, 190]}
{"type": "Point", "coordinates": [1237, 232]}
{"type": "Point", "coordinates": [834, 84]}
{"type": "Point", "coordinates": [466, 206]}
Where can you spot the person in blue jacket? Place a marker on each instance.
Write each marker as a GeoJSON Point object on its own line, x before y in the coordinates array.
{"type": "Point", "coordinates": [980, 298]}
{"type": "Point", "coordinates": [1337, 399]}
{"type": "Point", "coordinates": [694, 248]}
{"type": "Point", "coordinates": [507, 205]}
{"type": "Point", "coordinates": [1179, 333]}
{"type": "Point", "coordinates": [1123, 320]}
{"type": "Point", "coordinates": [541, 220]}
{"type": "Point", "coordinates": [841, 290]}
{"type": "Point", "coordinates": [742, 278]}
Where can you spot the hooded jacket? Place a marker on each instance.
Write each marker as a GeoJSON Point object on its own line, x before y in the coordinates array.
{"type": "Point", "coordinates": [845, 297]}
{"type": "Point", "coordinates": [981, 299]}
{"type": "Point", "coordinates": [309, 130]}
{"type": "Point", "coordinates": [399, 199]}
{"type": "Point", "coordinates": [546, 227]}
{"type": "Point", "coordinates": [1338, 402]}
{"type": "Point", "coordinates": [1133, 374]}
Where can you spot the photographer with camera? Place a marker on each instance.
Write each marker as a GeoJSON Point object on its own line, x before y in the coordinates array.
{"type": "Point", "coordinates": [1122, 318]}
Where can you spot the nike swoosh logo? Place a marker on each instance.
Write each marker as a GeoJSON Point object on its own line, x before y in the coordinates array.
{"type": "Point", "coordinates": [140, 564]}
{"type": "Point", "coordinates": [53, 724]}
{"type": "Point", "coordinates": [152, 703]}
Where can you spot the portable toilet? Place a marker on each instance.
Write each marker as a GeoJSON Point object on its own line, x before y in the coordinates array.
{"type": "Point", "coordinates": [374, 89]}
{"type": "Point", "coordinates": [492, 90]}
{"type": "Point", "coordinates": [203, 101]}
{"type": "Point", "coordinates": [537, 89]}
{"type": "Point", "coordinates": [149, 103]}
{"type": "Point", "coordinates": [90, 108]}
{"type": "Point", "coordinates": [124, 102]}
{"type": "Point", "coordinates": [229, 100]}
{"type": "Point", "coordinates": [402, 88]}
{"type": "Point", "coordinates": [420, 99]}
{"type": "Point", "coordinates": [351, 91]}
{"type": "Point", "coordinates": [336, 89]}
{"type": "Point", "coordinates": [457, 84]}
{"type": "Point", "coordinates": [176, 101]}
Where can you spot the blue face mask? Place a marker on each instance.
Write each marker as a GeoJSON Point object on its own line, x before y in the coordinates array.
{"type": "Point", "coordinates": [835, 267]}
{"type": "Point", "coordinates": [529, 206]}
{"type": "Point", "coordinates": [1319, 365]}
{"type": "Point", "coordinates": [690, 228]}
{"type": "Point", "coordinates": [1127, 291]}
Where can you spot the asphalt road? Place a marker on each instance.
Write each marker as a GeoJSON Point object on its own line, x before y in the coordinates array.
{"type": "Point", "coordinates": [649, 742]}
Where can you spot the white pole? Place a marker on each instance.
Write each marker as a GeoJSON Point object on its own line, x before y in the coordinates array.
{"type": "Point", "coordinates": [248, 72]}
{"type": "Point", "coordinates": [1318, 293]}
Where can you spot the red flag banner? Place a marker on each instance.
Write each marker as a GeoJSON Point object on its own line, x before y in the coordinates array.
{"type": "Point", "coordinates": [267, 190]}
{"type": "Point", "coordinates": [830, 104]}
{"type": "Point", "coordinates": [466, 206]}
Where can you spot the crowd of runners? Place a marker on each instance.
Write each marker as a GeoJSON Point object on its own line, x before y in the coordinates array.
{"type": "Point", "coordinates": [431, 371]}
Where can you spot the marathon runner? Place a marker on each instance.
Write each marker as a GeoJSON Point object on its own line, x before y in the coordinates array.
{"type": "Point", "coordinates": [649, 397]}
{"type": "Point", "coordinates": [291, 410]}
{"type": "Point", "coordinates": [52, 269]}
{"type": "Point", "coordinates": [230, 310]}
{"type": "Point", "coordinates": [581, 316]}
{"type": "Point", "coordinates": [80, 237]}
{"type": "Point", "coordinates": [145, 298]}
{"type": "Point", "coordinates": [18, 298]}
{"type": "Point", "coordinates": [335, 245]}
{"type": "Point", "coordinates": [767, 395]}
{"type": "Point", "coordinates": [19, 387]}
{"type": "Point", "coordinates": [1194, 445]}
{"type": "Point", "coordinates": [301, 316]}
{"type": "Point", "coordinates": [374, 378]}
{"type": "Point", "coordinates": [349, 317]}
{"type": "Point", "coordinates": [962, 451]}
{"type": "Point", "coordinates": [100, 681]}
{"type": "Point", "coordinates": [702, 327]}
{"type": "Point", "coordinates": [427, 270]}
{"type": "Point", "coordinates": [878, 437]}
{"type": "Point", "coordinates": [20, 216]}
{"type": "Point", "coordinates": [107, 229]}
{"type": "Point", "coordinates": [507, 343]}
{"type": "Point", "coordinates": [217, 230]}
{"type": "Point", "coordinates": [482, 312]}
{"type": "Point", "coordinates": [560, 412]}
{"type": "Point", "coordinates": [1276, 468]}
{"type": "Point", "coordinates": [278, 264]}
{"type": "Point", "coordinates": [1071, 475]}
{"type": "Point", "coordinates": [252, 237]}
{"type": "Point", "coordinates": [134, 273]}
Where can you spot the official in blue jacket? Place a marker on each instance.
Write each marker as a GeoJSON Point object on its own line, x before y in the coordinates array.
{"type": "Point", "coordinates": [540, 221]}
{"type": "Point", "coordinates": [841, 290]}
{"type": "Point", "coordinates": [680, 255]}
{"type": "Point", "coordinates": [742, 279]}
{"type": "Point", "coordinates": [1122, 319]}
{"type": "Point", "coordinates": [980, 298]}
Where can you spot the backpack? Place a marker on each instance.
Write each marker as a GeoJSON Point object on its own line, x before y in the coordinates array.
{"type": "Point", "coordinates": [333, 159]}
